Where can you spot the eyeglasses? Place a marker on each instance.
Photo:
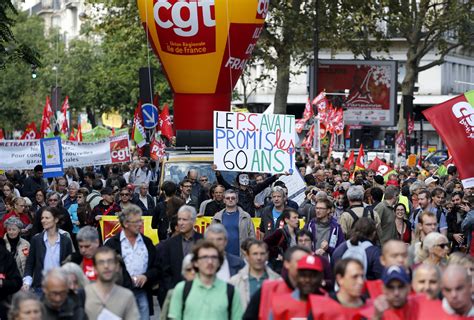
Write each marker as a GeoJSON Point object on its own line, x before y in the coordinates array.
{"type": "Point", "coordinates": [125, 194]}
{"type": "Point", "coordinates": [53, 200]}
{"type": "Point", "coordinates": [189, 269]}
{"type": "Point", "coordinates": [443, 245]}
{"type": "Point", "coordinates": [203, 179]}
{"type": "Point", "coordinates": [212, 258]}
{"type": "Point", "coordinates": [230, 198]}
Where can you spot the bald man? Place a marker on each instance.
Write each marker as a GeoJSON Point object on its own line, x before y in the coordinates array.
{"type": "Point", "coordinates": [394, 253]}
{"type": "Point", "coordinates": [456, 288]}
{"type": "Point", "coordinates": [427, 280]}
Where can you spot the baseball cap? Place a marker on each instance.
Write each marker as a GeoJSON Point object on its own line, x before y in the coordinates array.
{"type": "Point", "coordinates": [395, 273]}
{"type": "Point", "coordinates": [430, 180]}
{"type": "Point", "coordinates": [310, 262]}
{"type": "Point", "coordinates": [107, 190]}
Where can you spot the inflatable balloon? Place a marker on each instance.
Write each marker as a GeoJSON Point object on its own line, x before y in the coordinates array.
{"type": "Point", "coordinates": [203, 46]}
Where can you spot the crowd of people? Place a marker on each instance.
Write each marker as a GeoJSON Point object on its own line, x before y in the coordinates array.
{"type": "Point", "coordinates": [360, 245]}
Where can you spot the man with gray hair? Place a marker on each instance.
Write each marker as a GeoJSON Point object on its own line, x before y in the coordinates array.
{"type": "Point", "coordinates": [355, 195]}
{"type": "Point", "coordinates": [58, 303]}
{"type": "Point", "coordinates": [217, 234]}
{"type": "Point", "coordinates": [427, 280]}
{"type": "Point", "coordinates": [88, 243]}
{"type": "Point", "coordinates": [139, 256]}
{"type": "Point", "coordinates": [237, 222]}
{"type": "Point", "coordinates": [172, 251]}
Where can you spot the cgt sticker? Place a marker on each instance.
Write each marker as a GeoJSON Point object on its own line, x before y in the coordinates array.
{"type": "Point", "coordinates": [119, 151]}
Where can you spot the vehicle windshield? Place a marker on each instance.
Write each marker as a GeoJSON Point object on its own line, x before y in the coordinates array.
{"type": "Point", "coordinates": [176, 171]}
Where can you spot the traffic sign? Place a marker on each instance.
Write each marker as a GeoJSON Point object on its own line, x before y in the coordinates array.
{"type": "Point", "coordinates": [149, 115]}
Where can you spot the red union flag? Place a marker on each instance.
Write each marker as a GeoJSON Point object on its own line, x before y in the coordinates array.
{"type": "Point", "coordinates": [454, 122]}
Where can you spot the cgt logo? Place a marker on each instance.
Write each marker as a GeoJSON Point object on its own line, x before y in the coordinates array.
{"type": "Point", "coordinates": [262, 9]}
{"type": "Point", "coordinates": [465, 112]}
{"type": "Point", "coordinates": [119, 151]}
{"type": "Point", "coordinates": [184, 18]}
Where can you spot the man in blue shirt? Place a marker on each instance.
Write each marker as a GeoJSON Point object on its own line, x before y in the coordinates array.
{"type": "Point", "coordinates": [236, 221]}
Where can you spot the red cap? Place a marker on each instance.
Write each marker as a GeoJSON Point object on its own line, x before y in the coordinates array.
{"type": "Point", "coordinates": [310, 262]}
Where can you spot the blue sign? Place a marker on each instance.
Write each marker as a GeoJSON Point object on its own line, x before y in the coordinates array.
{"type": "Point", "coordinates": [149, 115]}
{"type": "Point", "coordinates": [52, 157]}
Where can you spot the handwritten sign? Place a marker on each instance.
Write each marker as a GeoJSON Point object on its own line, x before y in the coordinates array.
{"type": "Point", "coordinates": [254, 142]}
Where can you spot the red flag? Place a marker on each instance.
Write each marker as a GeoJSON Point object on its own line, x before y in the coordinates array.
{"type": "Point", "coordinates": [401, 142]}
{"type": "Point", "coordinates": [454, 122]}
{"type": "Point", "coordinates": [307, 114]}
{"type": "Point", "coordinates": [46, 118]}
{"type": "Point", "coordinates": [308, 140]}
{"type": "Point", "coordinates": [321, 102]}
{"type": "Point", "coordinates": [360, 163]}
{"type": "Point", "coordinates": [165, 123]}
{"type": "Point", "coordinates": [411, 124]}
{"type": "Point", "coordinates": [350, 161]}
{"type": "Point", "coordinates": [64, 108]}
{"type": "Point", "coordinates": [79, 133]}
{"type": "Point", "coordinates": [2, 135]}
{"type": "Point", "coordinates": [157, 149]}
{"type": "Point", "coordinates": [380, 167]}
{"type": "Point", "coordinates": [30, 132]}
{"type": "Point", "coordinates": [72, 135]}
{"type": "Point", "coordinates": [339, 121]}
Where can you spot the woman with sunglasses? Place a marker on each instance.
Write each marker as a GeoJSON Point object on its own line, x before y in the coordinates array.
{"type": "Point", "coordinates": [434, 250]}
{"type": "Point", "coordinates": [19, 205]}
{"type": "Point", "coordinates": [53, 199]}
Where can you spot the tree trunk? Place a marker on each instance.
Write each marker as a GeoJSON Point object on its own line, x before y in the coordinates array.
{"type": "Point", "coordinates": [282, 85]}
{"type": "Point", "coordinates": [408, 85]}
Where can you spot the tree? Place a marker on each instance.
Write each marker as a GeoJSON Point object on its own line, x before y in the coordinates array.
{"type": "Point", "coordinates": [440, 26]}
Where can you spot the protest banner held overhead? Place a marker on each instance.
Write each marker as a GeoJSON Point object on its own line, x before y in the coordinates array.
{"type": "Point", "coordinates": [254, 142]}
{"type": "Point", "coordinates": [25, 154]}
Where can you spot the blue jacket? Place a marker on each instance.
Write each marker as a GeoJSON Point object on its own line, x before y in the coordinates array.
{"type": "Point", "coordinates": [334, 231]}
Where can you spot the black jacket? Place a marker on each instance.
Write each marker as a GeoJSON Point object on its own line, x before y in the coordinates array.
{"type": "Point", "coordinates": [267, 225]}
{"type": "Point", "coordinates": [247, 196]}
{"type": "Point", "coordinates": [11, 278]}
{"type": "Point", "coordinates": [35, 261]}
{"type": "Point", "coordinates": [171, 258]}
{"type": "Point", "coordinates": [151, 204]}
{"type": "Point", "coordinates": [71, 309]}
{"type": "Point", "coordinates": [153, 269]}
{"type": "Point", "coordinates": [160, 220]}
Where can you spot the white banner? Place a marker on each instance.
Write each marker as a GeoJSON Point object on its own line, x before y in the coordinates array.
{"type": "Point", "coordinates": [25, 154]}
{"type": "Point", "coordinates": [254, 142]}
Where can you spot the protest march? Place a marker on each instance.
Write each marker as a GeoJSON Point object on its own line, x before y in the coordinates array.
{"type": "Point", "coordinates": [187, 195]}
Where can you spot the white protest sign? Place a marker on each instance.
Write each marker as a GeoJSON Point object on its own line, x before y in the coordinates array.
{"type": "Point", "coordinates": [254, 142]}
{"type": "Point", "coordinates": [25, 154]}
{"type": "Point", "coordinates": [296, 187]}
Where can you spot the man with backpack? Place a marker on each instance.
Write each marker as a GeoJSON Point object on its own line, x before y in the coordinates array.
{"type": "Point", "coordinates": [206, 297]}
{"type": "Point", "coordinates": [357, 210]}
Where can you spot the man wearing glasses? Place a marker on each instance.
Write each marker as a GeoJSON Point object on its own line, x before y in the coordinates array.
{"type": "Point", "coordinates": [186, 187]}
{"type": "Point", "coordinates": [238, 223]}
{"type": "Point", "coordinates": [139, 256]}
{"type": "Point", "coordinates": [222, 302]}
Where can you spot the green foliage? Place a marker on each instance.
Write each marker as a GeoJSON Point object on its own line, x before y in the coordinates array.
{"type": "Point", "coordinates": [11, 48]}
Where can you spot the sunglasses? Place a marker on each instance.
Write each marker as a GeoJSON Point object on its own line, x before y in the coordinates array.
{"type": "Point", "coordinates": [125, 194]}
{"type": "Point", "coordinates": [443, 245]}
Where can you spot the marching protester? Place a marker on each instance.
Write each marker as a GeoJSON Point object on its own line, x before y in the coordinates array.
{"type": "Point", "coordinates": [427, 280]}
{"type": "Point", "coordinates": [217, 234]}
{"type": "Point", "coordinates": [237, 222]}
{"type": "Point", "coordinates": [186, 301]}
{"type": "Point", "coordinates": [15, 244]}
{"type": "Point", "coordinates": [165, 210]}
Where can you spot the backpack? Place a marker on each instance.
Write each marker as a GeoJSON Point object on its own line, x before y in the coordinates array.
{"type": "Point", "coordinates": [230, 294]}
{"type": "Point", "coordinates": [365, 214]}
{"type": "Point", "coordinates": [358, 252]}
